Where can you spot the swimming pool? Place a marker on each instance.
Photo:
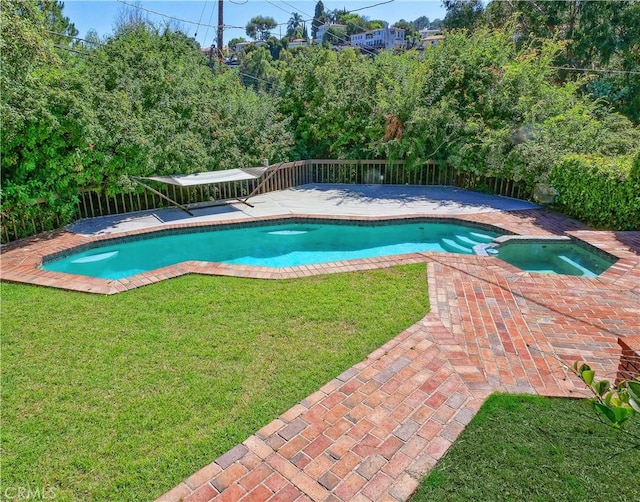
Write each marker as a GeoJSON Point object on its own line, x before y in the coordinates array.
{"type": "Point", "coordinates": [282, 244]}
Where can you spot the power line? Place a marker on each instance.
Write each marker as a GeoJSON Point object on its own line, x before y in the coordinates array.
{"type": "Point", "coordinates": [201, 14]}
{"type": "Point", "coordinates": [284, 10]}
{"type": "Point", "coordinates": [272, 84]}
{"type": "Point", "coordinates": [158, 13]}
{"type": "Point", "coordinates": [213, 9]}
{"type": "Point", "coordinates": [76, 38]}
{"type": "Point", "coordinates": [370, 6]}
{"type": "Point", "coordinates": [83, 53]}
{"type": "Point", "coordinates": [346, 11]}
{"type": "Point", "coordinates": [294, 7]}
{"type": "Point", "coordinates": [278, 7]}
{"type": "Point", "coordinates": [226, 26]}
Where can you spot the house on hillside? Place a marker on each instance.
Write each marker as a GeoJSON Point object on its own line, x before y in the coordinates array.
{"type": "Point", "coordinates": [383, 38]}
{"type": "Point", "coordinates": [431, 38]}
{"type": "Point", "coordinates": [297, 42]}
{"type": "Point", "coordinates": [323, 29]}
{"type": "Point", "coordinates": [240, 46]}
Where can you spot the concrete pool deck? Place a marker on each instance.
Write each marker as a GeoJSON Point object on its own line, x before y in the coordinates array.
{"type": "Point", "coordinates": [317, 200]}
{"type": "Point", "coordinates": [376, 429]}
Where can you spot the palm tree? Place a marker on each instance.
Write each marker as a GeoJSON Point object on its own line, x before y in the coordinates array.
{"type": "Point", "coordinates": [295, 26]}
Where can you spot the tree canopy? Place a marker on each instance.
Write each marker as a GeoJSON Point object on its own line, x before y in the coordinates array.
{"type": "Point", "coordinates": [601, 41]}
{"type": "Point", "coordinates": [143, 101]}
{"type": "Point", "coordinates": [335, 35]}
{"type": "Point", "coordinates": [463, 13]}
{"type": "Point", "coordinates": [319, 18]}
{"type": "Point", "coordinates": [259, 27]}
{"type": "Point", "coordinates": [295, 26]}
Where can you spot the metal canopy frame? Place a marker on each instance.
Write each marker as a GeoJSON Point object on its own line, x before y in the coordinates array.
{"type": "Point", "coordinates": [211, 178]}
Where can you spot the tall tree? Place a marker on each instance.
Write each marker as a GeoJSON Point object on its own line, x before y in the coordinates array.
{"type": "Point", "coordinates": [408, 27]}
{"type": "Point", "coordinates": [462, 13]}
{"type": "Point", "coordinates": [319, 18]}
{"type": "Point", "coordinates": [421, 23]}
{"type": "Point", "coordinates": [335, 36]}
{"type": "Point", "coordinates": [295, 26]}
{"type": "Point", "coordinates": [63, 29]}
{"type": "Point", "coordinates": [354, 22]}
{"type": "Point", "coordinates": [260, 27]}
{"type": "Point", "coordinates": [128, 17]}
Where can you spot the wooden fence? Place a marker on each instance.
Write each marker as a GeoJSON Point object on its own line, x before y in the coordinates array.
{"type": "Point", "coordinates": [93, 202]}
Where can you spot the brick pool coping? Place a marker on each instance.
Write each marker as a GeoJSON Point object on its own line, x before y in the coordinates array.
{"type": "Point", "coordinates": [21, 261]}
{"type": "Point", "coordinates": [374, 431]}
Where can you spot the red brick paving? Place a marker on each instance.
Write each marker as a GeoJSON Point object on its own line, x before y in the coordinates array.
{"type": "Point", "coordinates": [374, 431]}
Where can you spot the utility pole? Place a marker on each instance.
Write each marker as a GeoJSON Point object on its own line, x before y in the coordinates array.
{"type": "Point", "coordinates": [220, 41]}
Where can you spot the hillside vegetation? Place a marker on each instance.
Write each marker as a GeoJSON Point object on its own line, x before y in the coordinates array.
{"type": "Point", "coordinates": [85, 113]}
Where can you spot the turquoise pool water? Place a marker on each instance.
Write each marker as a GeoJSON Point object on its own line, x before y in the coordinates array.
{"type": "Point", "coordinates": [276, 245]}
{"type": "Point", "coordinates": [566, 258]}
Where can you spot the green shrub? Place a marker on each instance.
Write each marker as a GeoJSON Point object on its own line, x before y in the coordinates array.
{"type": "Point", "coordinates": [635, 167]}
{"type": "Point", "coordinates": [599, 190]}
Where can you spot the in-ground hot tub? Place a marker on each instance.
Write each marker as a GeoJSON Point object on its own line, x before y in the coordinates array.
{"type": "Point", "coordinates": [557, 255]}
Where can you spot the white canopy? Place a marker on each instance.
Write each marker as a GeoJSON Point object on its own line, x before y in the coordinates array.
{"type": "Point", "coordinates": [211, 177]}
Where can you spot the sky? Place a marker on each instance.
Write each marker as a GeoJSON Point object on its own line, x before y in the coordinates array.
{"type": "Point", "coordinates": [200, 17]}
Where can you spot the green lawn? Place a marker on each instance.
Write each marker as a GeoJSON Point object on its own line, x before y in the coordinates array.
{"type": "Point", "coordinates": [537, 449]}
{"type": "Point", "coordinates": [122, 397]}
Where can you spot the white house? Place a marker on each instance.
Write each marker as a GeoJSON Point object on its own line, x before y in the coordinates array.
{"type": "Point", "coordinates": [383, 38]}
{"type": "Point", "coordinates": [240, 46]}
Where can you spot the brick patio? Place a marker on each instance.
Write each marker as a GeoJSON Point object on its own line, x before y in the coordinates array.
{"type": "Point", "coordinates": [373, 432]}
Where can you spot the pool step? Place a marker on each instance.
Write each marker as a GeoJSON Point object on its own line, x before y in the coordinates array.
{"type": "Point", "coordinates": [585, 272]}
{"type": "Point", "coordinates": [453, 247]}
{"type": "Point", "coordinates": [480, 237]}
{"type": "Point", "coordinates": [466, 241]}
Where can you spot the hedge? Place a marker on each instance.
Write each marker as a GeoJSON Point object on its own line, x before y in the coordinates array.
{"type": "Point", "coordinates": [601, 191]}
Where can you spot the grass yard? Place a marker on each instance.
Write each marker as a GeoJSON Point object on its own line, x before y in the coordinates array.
{"type": "Point", "coordinates": [122, 397]}
{"type": "Point", "coordinates": [537, 449]}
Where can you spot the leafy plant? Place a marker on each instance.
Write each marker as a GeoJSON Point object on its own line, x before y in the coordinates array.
{"type": "Point", "coordinates": [143, 102]}
{"type": "Point", "coordinates": [616, 404]}
{"type": "Point", "coordinates": [599, 190]}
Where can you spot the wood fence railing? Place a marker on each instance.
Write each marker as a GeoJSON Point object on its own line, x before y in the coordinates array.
{"type": "Point", "coordinates": [93, 203]}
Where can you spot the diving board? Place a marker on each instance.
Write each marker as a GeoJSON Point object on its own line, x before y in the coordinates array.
{"type": "Point", "coordinates": [210, 178]}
